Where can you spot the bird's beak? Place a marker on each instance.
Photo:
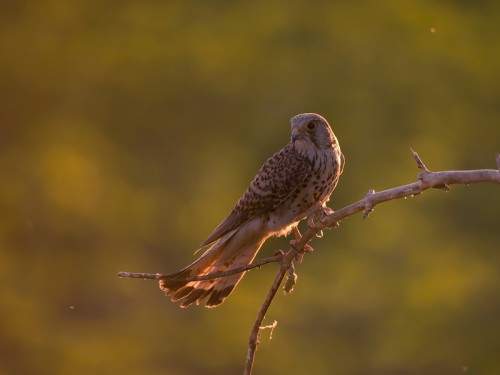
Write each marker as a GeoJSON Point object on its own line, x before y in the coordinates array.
{"type": "Point", "coordinates": [296, 134]}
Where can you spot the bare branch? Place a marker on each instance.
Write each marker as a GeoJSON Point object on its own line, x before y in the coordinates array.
{"type": "Point", "coordinates": [138, 275]}
{"type": "Point", "coordinates": [253, 340]}
{"type": "Point", "coordinates": [428, 180]}
{"type": "Point", "coordinates": [216, 275]}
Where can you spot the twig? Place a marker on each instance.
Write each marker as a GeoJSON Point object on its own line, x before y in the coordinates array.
{"type": "Point", "coordinates": [138, 275]}
{"type": "Point", "coordinates": [253, 340]}
{"type": "Point", "coordinates": [216, 275]}
{"type": "Point", "coordinates": [419, 161]}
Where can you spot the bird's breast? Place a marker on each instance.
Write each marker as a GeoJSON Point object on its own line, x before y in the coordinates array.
{"type": "Point", "coordinates": [313, 191]}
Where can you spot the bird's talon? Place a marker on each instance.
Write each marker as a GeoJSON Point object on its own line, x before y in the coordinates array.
{"type": "Point", "coordinates": [327, 211]}
{"type": "Point", "coordinates": [293, 243]}
{"type": "Point", "coordinates": [308, 249]}
{"type": "Point", "coordinates": [310, 221]}
{"type": "Point", "coordinates": [300, 254]}
{"type": "Point", "coordinates": [320, 214]}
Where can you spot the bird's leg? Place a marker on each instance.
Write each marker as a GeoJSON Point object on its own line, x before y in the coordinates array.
{"type": "Point", "coordinates": [296, 233]}
{"type": "Point", "coordinates": [300, 252]}
{"type": "Point", "coordinates": [298, 237]}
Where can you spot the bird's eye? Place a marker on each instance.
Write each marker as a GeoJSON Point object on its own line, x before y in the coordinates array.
{"type": "Point", "coordinates": [311, 125]}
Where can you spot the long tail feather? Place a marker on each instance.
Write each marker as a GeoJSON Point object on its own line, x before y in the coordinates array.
{"type": "Point", "coordinates": [228, 253]}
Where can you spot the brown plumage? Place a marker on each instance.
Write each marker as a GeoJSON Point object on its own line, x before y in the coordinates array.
{"type": "Point", "coordinates": [291, 185]}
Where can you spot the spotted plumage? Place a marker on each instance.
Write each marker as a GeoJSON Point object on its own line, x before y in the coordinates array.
{"type": "Point", "coordinates": [291, 185]}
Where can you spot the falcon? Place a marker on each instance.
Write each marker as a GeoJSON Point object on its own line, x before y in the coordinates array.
{"type": "Point", "coordinates": [294, 183]}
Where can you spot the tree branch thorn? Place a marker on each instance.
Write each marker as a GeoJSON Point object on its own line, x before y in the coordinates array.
{"type": "Point", "coordinates": [426, 172]}
{"type": "Point", "coordinates": [368, 204]}
{"type": "Point", "coordinates": [335, 224]}
{"type": "Point", "coordinates": [419, 161]}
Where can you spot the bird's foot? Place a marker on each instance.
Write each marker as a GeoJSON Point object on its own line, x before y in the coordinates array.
{"type": "Point", "coordinates": [299, 257]}
{"type": "Point", "coordinates": [318, 215]}
{"type": "Point", "coordinates": [307, 248]}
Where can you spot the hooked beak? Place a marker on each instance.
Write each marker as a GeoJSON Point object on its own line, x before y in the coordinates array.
{"type": "Point", "coordinates": [296, 134]}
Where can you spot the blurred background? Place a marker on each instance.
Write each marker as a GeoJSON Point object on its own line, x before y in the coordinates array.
{"type": "Point", "coordinates": [129, 129]}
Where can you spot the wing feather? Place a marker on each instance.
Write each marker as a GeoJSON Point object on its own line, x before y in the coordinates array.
{"type": "Point", "coordinates": [274, 183]}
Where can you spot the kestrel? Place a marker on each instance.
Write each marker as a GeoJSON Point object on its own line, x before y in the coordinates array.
{"type": "Point", "coordinates": [291, 185]}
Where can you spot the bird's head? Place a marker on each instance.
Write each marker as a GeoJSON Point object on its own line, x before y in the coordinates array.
{"type": "Point", "coordinates": [311, 131]}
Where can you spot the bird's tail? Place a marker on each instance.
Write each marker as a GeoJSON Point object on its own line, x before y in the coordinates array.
{"type": "Point", "coordinates": [226, 254]}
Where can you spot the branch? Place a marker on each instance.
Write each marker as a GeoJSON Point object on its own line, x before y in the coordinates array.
{"type": "Point", "coordinates": [328, 219]}
{"type": "Point", "coordinates": [253, 341]}
{"type": "Point", "coordinates": [427, 180]}
{"type": "Point", "coordinates": [216, 275]}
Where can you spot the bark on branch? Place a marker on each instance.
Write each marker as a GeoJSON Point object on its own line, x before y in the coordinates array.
{"type": "Point", "coordinates": [425, 180]}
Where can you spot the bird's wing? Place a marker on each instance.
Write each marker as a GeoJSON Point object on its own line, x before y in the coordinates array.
{"type": "Point", "coordinates": [342, 163]}
{"type": "Point", "coordinates": [277, 180]}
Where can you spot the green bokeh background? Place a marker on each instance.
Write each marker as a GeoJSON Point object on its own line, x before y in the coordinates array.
{"type": "Point", "coordinates": [128, 130]}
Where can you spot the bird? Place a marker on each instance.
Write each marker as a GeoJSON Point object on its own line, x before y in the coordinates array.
{"type": "Point", "coordinates": [293, 184]}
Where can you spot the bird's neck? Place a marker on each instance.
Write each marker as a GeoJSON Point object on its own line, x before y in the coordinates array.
{"type": "Point", "coordinates": [312, 153]}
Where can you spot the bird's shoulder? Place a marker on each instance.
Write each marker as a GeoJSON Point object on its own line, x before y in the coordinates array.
{"type": "Point", "coordinates": [280, 175]}
{"type": "Point", "coordinates": [276, 180]}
